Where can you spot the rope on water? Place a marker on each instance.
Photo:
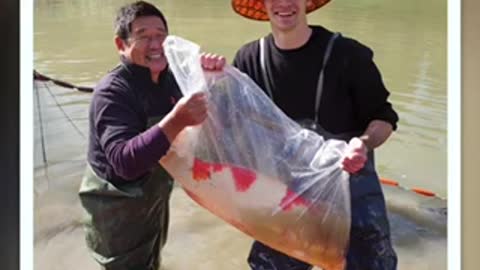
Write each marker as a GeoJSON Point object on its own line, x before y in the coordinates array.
{"type": "Point", "coordinates": [420, 191]}
{"type": "Point", "coordinates": [42, 136]}
{"type": "Point", "coordinates": [37, 76]}
{"type": "Point", "coordinates": [69, 119]}
{"type": "Point", "coordinates": [40, 77]}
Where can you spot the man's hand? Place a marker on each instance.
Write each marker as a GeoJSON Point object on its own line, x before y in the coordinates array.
{"type": "Point", "coordinates": [192, 110]}
{"type": "Point", "coordinates": [355, 156]}
{"type": "Point", "coordinates": [212, 62]}
{"type": "Point", "coordinates": [188, 111]}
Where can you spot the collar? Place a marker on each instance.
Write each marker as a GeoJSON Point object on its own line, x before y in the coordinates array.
{"type": "Point", "coordinates": [317, 32]}
{"type": "Point", "coordinates": [140, 72]}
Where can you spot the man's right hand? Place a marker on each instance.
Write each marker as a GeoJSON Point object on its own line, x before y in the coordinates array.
{"type": "Point", "coordinates": [188, 111]}
{"type": "Point", "coordinates": [212, 62]}
{"type": "Point", "coordinates": [192, 110]}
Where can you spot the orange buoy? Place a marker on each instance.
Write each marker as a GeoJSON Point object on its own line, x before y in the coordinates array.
{"type": "Point", "coordinates": [388, 182]}
{"type": "Point", "coordinates": [423, 192]}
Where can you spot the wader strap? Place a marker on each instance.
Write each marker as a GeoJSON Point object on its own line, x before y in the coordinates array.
{"type": "Point", "coordinates": [328, 51]}
{"type": "Point", "coordinates": [266, 80]}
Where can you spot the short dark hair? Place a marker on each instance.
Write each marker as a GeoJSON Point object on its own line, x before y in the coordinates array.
{"type": "Point", "coordinates": [128, 13]}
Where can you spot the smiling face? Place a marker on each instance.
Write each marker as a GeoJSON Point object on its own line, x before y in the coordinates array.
{"type": "Point", "coordinates": [144, 45]}
{"type": "Point", "coordinates": [286, 15]}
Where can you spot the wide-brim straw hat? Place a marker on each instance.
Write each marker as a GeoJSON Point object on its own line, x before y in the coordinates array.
{"type": "Point", "coordinates": [255, 9]}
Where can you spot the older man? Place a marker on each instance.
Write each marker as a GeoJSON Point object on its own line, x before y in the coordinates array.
{"type": "Point", "coordinates": [136, 111]}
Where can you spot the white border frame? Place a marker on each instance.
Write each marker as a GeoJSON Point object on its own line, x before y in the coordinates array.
{"type": "Point", "coordinates": [453, 131]}
{"type": "Point", "coordinates": [26, 135]}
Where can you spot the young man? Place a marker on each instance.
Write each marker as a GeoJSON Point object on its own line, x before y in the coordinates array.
{"type": "Point", "coordinates": [135, 113]}
{"type": "Point", "coordinates": [329, 84]}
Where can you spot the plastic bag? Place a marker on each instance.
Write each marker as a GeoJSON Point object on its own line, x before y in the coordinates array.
{"type": "Point", "coordinates": [252, 166]}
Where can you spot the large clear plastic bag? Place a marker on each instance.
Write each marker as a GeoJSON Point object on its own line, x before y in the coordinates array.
{"type": "Point", "coordinates": [252, 166]}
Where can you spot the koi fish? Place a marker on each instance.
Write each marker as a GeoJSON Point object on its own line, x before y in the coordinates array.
{"type": "Point", "coordinates": [243, 178]}
{"type": "Point", "coordinates": [265, 208]}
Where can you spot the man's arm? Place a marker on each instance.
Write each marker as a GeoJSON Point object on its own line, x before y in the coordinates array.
{"type": "Point", "coordinates": [131, 151]}
{"type": "Point", "coordinates": [370, 99]}
{"type": "Point", "coordinates": [375, 135]}
{"type": "Point", "coordinates": [377, 132]}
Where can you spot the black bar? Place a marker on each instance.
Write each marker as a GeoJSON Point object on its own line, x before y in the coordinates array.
{"type": "Point", "coordinates": [9, 138]}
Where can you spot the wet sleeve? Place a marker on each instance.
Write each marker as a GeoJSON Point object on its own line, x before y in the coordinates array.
{"type": "Point", "coordinates": [370, 96]}
{"type": "Point", "coordinates": [130, 149]}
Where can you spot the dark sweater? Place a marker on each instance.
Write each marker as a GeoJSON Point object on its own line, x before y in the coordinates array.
{"type": "Point", "coordinates": [121, 144]}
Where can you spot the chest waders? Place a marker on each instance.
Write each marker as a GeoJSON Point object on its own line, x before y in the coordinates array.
{"type": "Point", "coordinates": [370, 245]}
{"type": "Point", "coordinates": [126, 226]}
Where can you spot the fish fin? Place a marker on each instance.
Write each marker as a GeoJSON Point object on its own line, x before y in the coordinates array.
{"type": "Point", "coordinates": [292, 199]}
{"type": "Point", "coordinates": [243, 178]}
{"type": "Point", "coordinates": [201, 170]}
